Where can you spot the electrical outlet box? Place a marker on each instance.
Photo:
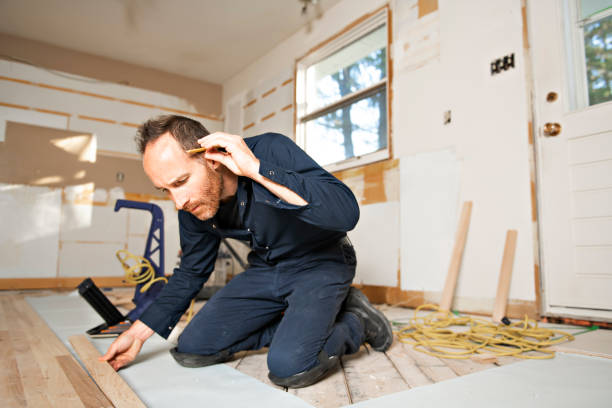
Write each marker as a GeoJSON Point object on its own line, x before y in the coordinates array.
{"type": "Point", "coordinates": [502, 64]}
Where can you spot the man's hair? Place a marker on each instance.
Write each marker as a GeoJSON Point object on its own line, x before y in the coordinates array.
{"type": "Point", "coordinates": [186, 131]}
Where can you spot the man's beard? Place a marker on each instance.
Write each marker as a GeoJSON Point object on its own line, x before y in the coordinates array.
{"type": "Point", "coordinates": [208, 204]}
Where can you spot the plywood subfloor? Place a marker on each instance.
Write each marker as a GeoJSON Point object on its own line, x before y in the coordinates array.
{"type": "Point", "coordinates": [363, 376]}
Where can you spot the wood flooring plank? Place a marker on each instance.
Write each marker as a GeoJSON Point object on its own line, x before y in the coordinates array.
{"type": "Point", "coordinates": [433, 367]}
{"type": "Point", "coordinates": [86, 389]}
{"type": "Point", "coordinates": [255, 364]}
{"type": "Point", "coordinates": [29, 370]}
{"type": "Point", "coordinates": [370, 374]}
{"type": "Point", "coordinates": [407, 366]}
{"type": "Point", "coordinates": [505, 360]}
{"type": "Point", "coordinates": [236, 360]}
{"type": "Point", "coordinates": [44, 347]}
{"type": "Point", "coordinates": [466, 366]}
{"type": "Point", "coordinates": [34, 384]}
{"type": "Point", "coordinates": [11, 387]}
{"type": "Point", "coordinates": [331, 392]}
{"type": "Point", "coordinates": [111, 383]}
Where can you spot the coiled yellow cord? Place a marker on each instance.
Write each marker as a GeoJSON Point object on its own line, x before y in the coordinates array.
{"type": "Point", "coordinates": [431, 335]}
{"type": "Point", "coordinates": [141, 271]}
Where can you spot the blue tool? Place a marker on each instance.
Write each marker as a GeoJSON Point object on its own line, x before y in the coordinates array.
{"type": "Point", "coordinates": [154, 248]}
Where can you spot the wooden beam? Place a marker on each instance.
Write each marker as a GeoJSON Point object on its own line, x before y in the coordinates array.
{"type": "Point", "coordinates": [111, 383]}
{"type": "Point", "coordinates": [455, 264]}
{"type": "Point", "coordinates": [505, 276]}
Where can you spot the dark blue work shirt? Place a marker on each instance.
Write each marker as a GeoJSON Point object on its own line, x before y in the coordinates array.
{"type": "Point", "coordinates": [276, 230]}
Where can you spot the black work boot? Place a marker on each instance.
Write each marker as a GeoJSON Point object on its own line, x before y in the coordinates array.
{"type": "Point", "coordinates": [198, 360]}
{"type": "Point", "coordinates": [326, 365]}
{"type": "Point", "coordinates": [377, 328]}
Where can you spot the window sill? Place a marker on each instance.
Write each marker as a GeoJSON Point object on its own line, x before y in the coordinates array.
{"type": "Point", "coordinates": [358, 161]}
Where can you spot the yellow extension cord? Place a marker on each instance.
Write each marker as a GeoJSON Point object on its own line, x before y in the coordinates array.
{"type": "Point", "coordinates": [141, 271]}
{"type": "Point", "coordinates": [431, 334]}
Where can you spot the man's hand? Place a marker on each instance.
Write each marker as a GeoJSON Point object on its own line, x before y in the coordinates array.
{"type": "Point", "coordinates": [241, 161]}
{"type": "Point", "coordinates": [125, 348]}
{"type": "Point", "coordinates": [238, 158]}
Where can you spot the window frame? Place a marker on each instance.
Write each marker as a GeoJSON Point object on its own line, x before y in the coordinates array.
{"type": "Point", "coordinates": [336, 42]}
{"type": "Point", "coordinates": [575, 61]}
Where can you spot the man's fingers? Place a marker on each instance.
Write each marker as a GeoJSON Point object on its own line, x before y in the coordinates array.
{"type": "Point", "coordinates": [217, 139]}
{"type": "Point", "coordinates": [110, 353]}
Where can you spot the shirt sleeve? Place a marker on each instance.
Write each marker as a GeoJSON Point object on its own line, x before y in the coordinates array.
{"type": "Point", "coordinates": [199, 249]}
{"type": "Point", "coordinates": [331, 204]}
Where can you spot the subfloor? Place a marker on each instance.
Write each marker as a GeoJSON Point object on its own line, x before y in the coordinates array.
{"type": "Point", "coordinates": [27, 363]}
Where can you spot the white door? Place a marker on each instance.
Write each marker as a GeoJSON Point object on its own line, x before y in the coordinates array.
{"type": "Point", "coordinates": [571, 49]}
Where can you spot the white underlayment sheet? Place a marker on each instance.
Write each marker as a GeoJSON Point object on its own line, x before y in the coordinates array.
{"type": "Point", "coordinates": [565, 381]}
{"type": "Point", "coordinates": [157, 379]}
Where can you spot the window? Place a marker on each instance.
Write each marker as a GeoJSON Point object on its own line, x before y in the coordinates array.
{"type": "Point", "coordinates": [342, 98]}
{"type": "Point", "coordinates": [590, 51]}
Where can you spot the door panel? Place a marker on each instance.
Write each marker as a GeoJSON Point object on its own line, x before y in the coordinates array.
{"type": "Point", "coordinates": [574, 167]}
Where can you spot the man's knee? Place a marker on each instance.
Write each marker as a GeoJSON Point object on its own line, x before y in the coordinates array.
{"type": "Point", "coordinates": [287, 373]}
{"type": "Point", "coordinates": [189, 343]}
{"type": "Point", "coordinates": [285, 362]}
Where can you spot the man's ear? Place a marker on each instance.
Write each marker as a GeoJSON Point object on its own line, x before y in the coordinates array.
{"type": "Point", "coordinates": [213, 164]}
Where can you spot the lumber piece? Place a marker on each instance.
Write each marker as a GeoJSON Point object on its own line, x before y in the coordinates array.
{"type": "Point", "coordinates": [111, 383]}
{"type": "Point", "coordinates": [455, 263]}
{"type": "Point", "coordinates": [505, 276]}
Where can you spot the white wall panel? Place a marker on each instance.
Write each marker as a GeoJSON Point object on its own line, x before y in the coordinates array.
{"type": "Point", "coordinates": [29, 231]}
{"type": "Point", "coordinates": [89, 259]}
{"type": "Point", "coordinates": [376, 242]}
{"type": "Point", "coordinates": [85, 222]}
{"type": "Point", "coordinates": [429, 193]}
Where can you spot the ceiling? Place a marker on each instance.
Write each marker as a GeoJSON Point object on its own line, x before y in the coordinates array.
{"type": "Point", "coordinates": [210, 40]}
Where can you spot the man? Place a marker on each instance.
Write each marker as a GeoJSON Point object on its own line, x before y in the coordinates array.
{"type": "Point", "coordinates": [295, 296]}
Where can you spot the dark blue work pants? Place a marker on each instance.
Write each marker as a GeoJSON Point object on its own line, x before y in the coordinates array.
{"type": "Point", "coordinates": [293, 307]}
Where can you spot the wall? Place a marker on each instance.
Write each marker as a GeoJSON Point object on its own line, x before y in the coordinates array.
{"type": "Point", "coordinates": [410, 204]}
{"type": "Point", "coordinates": [67, 153]}
{"type": "Point", "coordinates": [205, 97]}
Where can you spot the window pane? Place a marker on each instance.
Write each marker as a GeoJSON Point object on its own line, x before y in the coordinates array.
{"type": "Point", "coordinates": [353, 130]}
{"type": "Point", "coordinates": [598, 56]}
{"type": "Point", "coordinates": [356, 66]}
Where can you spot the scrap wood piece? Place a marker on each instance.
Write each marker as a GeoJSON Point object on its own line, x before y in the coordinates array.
{"type": "Point", "coordinates": [111, 383]}
{"type": "Point", "coordinates": [453, 269]}
{"type": "Point", "coordinates": [505, 276]}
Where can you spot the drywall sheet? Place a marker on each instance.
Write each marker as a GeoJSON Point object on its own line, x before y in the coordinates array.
{"type": "Point", "coordinates": [157, 379]}
{"type": "Point", "coordinates": [417, 38]}
{"type": "Point", "coordinates": [564, 381]}
{"type": "Point", "coordinates": [29, 231]}
{"type": "Point", "coordinates": [429, 211]}
{"type": "Point", "coordinates": [376, 240]}
{"type": "Point", "coordinates": [81, 164]}
{"type": "Point", "coordinates": [89, 259]}
{"type": "Point", "coordinates": [110, 111]}
{"type": "Point", "coordinates": [29, 116]}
